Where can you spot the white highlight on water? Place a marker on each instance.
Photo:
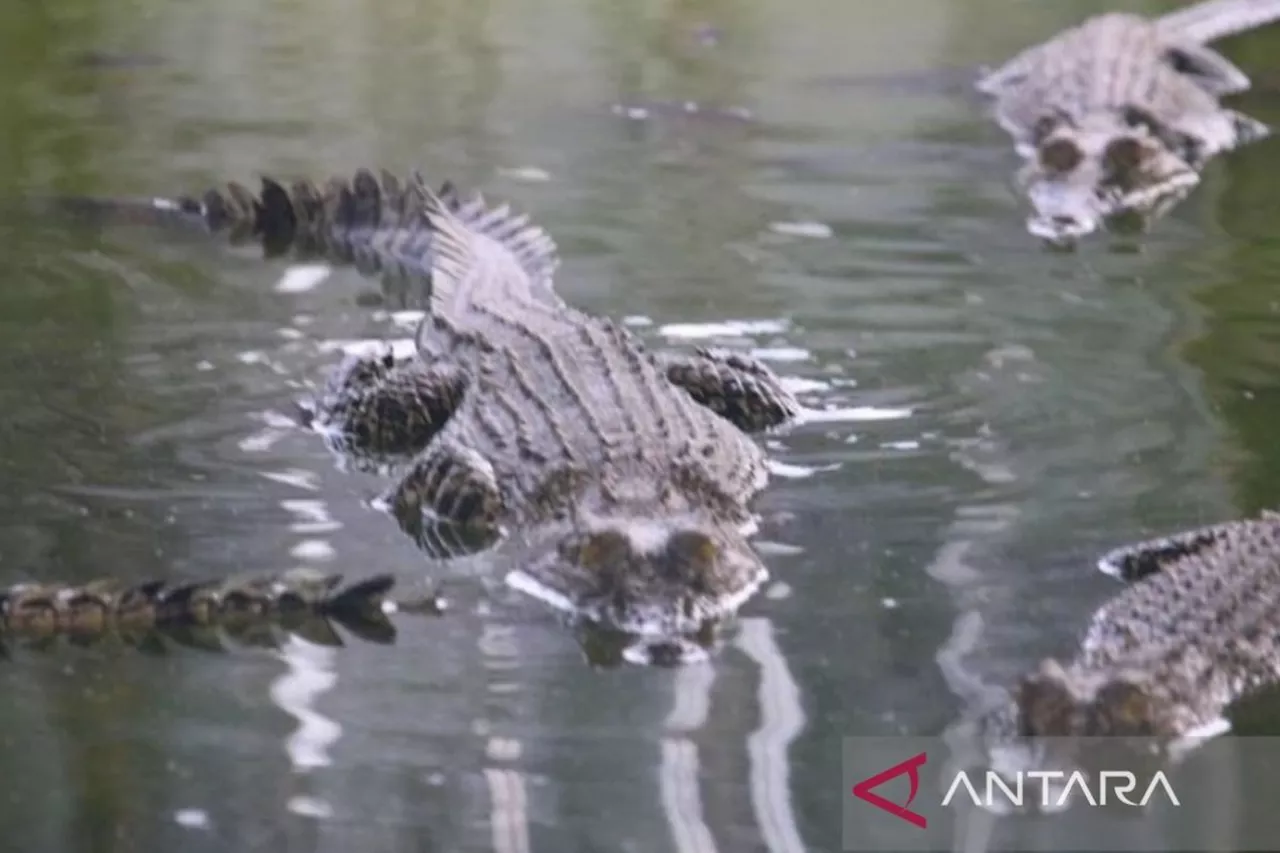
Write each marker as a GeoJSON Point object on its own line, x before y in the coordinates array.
{"type": "Point", "coordinates": [301, 278]}
{"type": "Point", "coordinates": [526, 174]}
{"type": "Point", "coordinates": [192, 818]}
{"type": "Point", "coordinates": [781, 720]}
{"type": "Point", "coordinates": [678, 774]}
{"type": "Point", "coordinates": [805, 228]}
{"type": "Point", "coordinates": [315, 550]}
{"type": "Point", "coordinates": [797, 472]}
{"type": "Point", "coordinates": [400, 347]}
{"type": "Point", "coordinates": [313, 516]}
{"type": "Point", "coordinates": [850, 413]}
{"type": "Point", "coordinates": [508, 794]}
{"type": "Point", "coordinates": [310, 674]}
{"type": "Point", "coordinates": [781, 353]}
{"type": "Point", "coordinates": [306, 481]}
{"type": "Point", "coordinates": [723, 329]}
{"type": "Point", "coordinates": [407, 319]}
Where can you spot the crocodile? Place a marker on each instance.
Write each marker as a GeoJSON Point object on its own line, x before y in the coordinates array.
{"type": "Point", "coordinates": [627, 472]}
{"type": "Point", "coordinates": [1189, 637]}
{"type": "Point", "coordinates": [620, 476]}
{"type": "Point", "coordinates": [1116, 118]}
{"type": "Point", "coordinates": [251, 609]}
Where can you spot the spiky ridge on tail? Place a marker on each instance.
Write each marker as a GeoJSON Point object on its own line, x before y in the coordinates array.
{"type": "Point", "coordinates": [298, 601]}
{"type": "Point", "coordinates": [1217, 19]}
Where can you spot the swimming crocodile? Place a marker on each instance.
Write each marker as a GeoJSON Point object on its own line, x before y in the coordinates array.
{"type": "Point", "coordinates": [251, 609]}
{"type": "Point", "coordinates": [1117, 116]}
{"type": "Point", "coordinates": [1190, 635]}
{"type": "Point", "coordinates": [622, 476]}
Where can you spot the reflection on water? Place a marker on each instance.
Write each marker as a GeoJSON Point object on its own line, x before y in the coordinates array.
{"type": "Point", "coordinates": [986, 417]}
{"type": "Point", "coordinates": [310, 675]}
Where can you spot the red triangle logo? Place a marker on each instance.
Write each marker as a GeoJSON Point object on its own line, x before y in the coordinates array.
{"type": "Point", "coordinates": [864, 790]}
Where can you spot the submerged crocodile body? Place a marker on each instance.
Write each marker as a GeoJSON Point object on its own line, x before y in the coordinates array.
{"type": "Point", "coordinates": [356, 220]}
{"type": "Point", "coordinates": [250, 609]}
{"type": "Point", "coordinates": [1117, 117]}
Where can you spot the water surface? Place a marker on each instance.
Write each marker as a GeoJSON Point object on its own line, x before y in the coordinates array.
{"type": "Point", "coordinates": [837, 203]}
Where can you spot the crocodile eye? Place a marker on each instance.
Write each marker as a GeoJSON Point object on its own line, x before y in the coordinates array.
{"type": "Point", "coordinates": [601, 550]}
{"type": "Point", "coordinates": [694, 549]}
{"type": "Point", "coordinates": [1124, 155]}
{"type": "Point", "coordinates": [1060, 155]}
{"type": "Point", "coordinates": [1124, 706]}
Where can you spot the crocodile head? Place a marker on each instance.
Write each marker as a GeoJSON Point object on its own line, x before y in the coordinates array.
{"type": "Point", "coordinates": [1055, 702]}
{"type": "Point", "coordinates": [1084, 174]}
{"type": "Point", "coordinates": [664, 577]}
{"type": "Point", "coordinates": [1115, 702]}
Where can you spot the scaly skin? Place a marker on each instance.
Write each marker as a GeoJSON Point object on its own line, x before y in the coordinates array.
{"type": "Point", "coordinates": [249, 608]}
{"type": "Point", "coordinates": [1117, 117]}
{"type": "Point", "coordinates": [372, 222]}
{"type": "Point", "coordinates": [1191, 634]}
{"type": "Point", "coordinates": [624, 477]}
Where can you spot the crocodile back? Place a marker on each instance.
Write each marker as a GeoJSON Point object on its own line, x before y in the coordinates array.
{"type": "Point", "coordinates": [559, 391]}
{"type": "Point", "coordinates": [1104, 65]}
{"type": "Point", "coordinates": [1208, 590]}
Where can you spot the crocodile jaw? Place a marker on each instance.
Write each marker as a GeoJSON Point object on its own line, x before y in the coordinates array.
{"type": "Point", "coordinates": [653, 619]}
{"type": "Point", "coordinates": [1065, 211]}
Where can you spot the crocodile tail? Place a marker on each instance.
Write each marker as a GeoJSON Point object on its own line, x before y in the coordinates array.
{"type": "Point", "coordinates": [363, 220]}
{"type": "Point", "coordinates": [352, 220]}
{"type": "Point", "coordinates": [1217, 19]}
{"type": "Point", "coordinates": [252, 609]}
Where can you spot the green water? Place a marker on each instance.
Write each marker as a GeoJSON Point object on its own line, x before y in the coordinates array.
{"type": "Point", "coordinates": [1048, 406]}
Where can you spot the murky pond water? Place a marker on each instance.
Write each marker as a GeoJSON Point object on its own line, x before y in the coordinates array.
{"type": "Point", "coordinates": [840, 205]}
